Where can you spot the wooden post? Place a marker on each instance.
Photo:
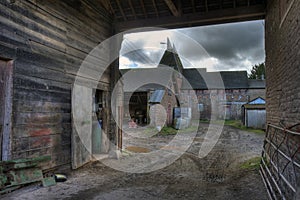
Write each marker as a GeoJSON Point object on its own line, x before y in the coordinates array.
{"type": "Point", "coordinates": [117, 101]}
{"type": "Point", "coordinates": [6, 87]}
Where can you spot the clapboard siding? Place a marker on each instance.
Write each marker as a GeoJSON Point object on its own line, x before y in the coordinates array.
{"type": "Point", "coordinates": [41, 106]}
{"type": "Point", "coordinates": [41, 118]}
{"type": "Point", "coordinates": [28, 82]}
{"type": "Point", "coordinates": [48, 41]}
{"type": "Point", "coordinates": [29, 25]}
{"type": "Point", "coordinates": [25, 131]}
{"type": "Point", "coordinates": [39, 95]}
{"type": "Point", "coordinates": [26, 67]}
{"type": "Point", "coordinates": [39, 16]}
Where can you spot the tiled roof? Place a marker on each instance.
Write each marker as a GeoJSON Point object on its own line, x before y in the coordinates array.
{"type": "Point", "coordinates": [143, 79]}
{"type": "Point", "coordinates": [256, 84]}
{"type": "Point", "coordinates": [200, 79]}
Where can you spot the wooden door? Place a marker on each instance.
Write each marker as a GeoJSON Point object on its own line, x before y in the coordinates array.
{"type": "Point", "coordinates": [6, 83]}
{"type": "Point", "coordinates": [82, 101]}
{"type": "Point", "coordinates": [256, 118]}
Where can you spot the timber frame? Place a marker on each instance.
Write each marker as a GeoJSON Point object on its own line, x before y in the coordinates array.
{"type": "Point", "coordinates": [129, 14]}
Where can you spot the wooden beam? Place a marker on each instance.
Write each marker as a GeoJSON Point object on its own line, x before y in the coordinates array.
{"type": "Point", "coordinates": [132, 9]}
{"type": "Point", "coordinates": [206, 6]}
{"type": "Point", "coordinates": [121, 10]}
{"type": "Point", "coordinates": [212, 17]}
{"type": "Point", "coordinates": [194, 6]}
{"type": "Point", "coordinates": [106, 4]}
{"type": "Point", "coordinates": [179, 6]}
{"type": "Point", "coordinates": [155, 7]}
{"type": "Point", "coordinates": [172, 7]}
{"type": "Point", "coordinates": [144, 9]}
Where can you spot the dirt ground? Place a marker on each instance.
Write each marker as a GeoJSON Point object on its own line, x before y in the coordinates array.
{"type": "Point", "coordinates": [219, 175]}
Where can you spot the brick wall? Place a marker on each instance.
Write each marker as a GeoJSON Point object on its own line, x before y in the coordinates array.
{"type": "Point", "coordinates": [283, 63]}
{"type": "Point", "coordinates": [233, 99]}
{"type": "Point", "coordinates": [162, 114]}
{"type": "Point", "coordinates": [282, 42]}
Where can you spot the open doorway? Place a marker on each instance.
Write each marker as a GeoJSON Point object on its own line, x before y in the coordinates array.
{"type": "Point", "coordinates": [90, 120]}
{"type": "Point", "coordinates": [99, 122]}
{"type": "Point", "coordinates": [138, 106]}
{"type": "Point", "coordinates": [6, 83]}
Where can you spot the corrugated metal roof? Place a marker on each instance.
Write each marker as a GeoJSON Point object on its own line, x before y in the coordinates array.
{"type": "Point", "coordinates": [157, 96]}
{"type": "Point", "coordinates": [257, 101]}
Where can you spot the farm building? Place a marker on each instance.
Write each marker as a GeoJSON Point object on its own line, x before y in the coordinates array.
{"type": "Point", "coordinates": [161, 85]}
{"type": "Point", "coordinates": [43, 44]}
{"type": "Point", "coordinates": [237, 90]}
{"type": "Point", "coordinates": [185, 83]}
{"type": "Point", "coordinates": [255, 113]}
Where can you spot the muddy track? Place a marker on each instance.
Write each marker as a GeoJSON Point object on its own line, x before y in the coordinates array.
{"type": "Point", "coordinates": [217, 176]}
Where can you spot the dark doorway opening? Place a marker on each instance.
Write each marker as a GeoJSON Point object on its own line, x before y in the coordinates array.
{"type": "Point", "coordinates": [138, 107]}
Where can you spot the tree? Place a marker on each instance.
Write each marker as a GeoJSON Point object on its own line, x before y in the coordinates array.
{"type": "Point", "coordinates": [257, 71]}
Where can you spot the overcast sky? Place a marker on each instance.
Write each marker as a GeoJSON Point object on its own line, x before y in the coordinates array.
{"type": "Point", "coordinates": [233, 46]}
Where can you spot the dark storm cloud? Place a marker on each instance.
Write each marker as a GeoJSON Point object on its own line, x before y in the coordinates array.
{"type": "Point", "coordinates": [128, 45]}
{"type": "Point", "coordinates": [233, 46]}
{"type": "Point", "coordinates": [137, 51]}
{"type": "Point", "coordinates": [230, 43]}
{"type": "Point", "coordinates": [144, 56]}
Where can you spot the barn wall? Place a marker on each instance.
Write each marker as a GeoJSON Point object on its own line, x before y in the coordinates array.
{"type": "Point", "coordinates": [233, 98]}
{"type": "Point", "coordinates": [282, 43]}
{"type": "Point", "coordinates": [47, 40]}
{"type": "Point", "coordinates": [256, 118]}
{"type": "Point", "coordinates": [283, 62]}
{"type": "Point", "coordinates": [169, 102]}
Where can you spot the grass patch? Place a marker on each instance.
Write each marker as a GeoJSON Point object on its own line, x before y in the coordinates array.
{"type": "Point", "coordinates": [167, 130]}
{"type": "Point", "coordinates": [236, 124]}
{"type": "Point", "coordinates": [189, 129]}
{"type": "Point", "coordinates": [150, 130]}
{"type": "Point", "coordinates": [204, 120]}
{"type": "Point", "coordinates": [251, 164]}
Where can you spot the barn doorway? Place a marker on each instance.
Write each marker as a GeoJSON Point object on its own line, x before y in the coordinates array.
{"type": "Point", "coordinates": [138, 107]}
{"type": "Point", "coordinates": [90, 125]}
{"type": "Point", "coordinates": [6, 83]}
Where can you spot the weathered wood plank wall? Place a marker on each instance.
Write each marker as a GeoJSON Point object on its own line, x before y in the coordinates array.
{"type": "Point", "coordinates": [48, 40]}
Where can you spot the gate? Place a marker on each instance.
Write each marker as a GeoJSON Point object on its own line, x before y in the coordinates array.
{"type": "Point", "coordinates": [280, 164]}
